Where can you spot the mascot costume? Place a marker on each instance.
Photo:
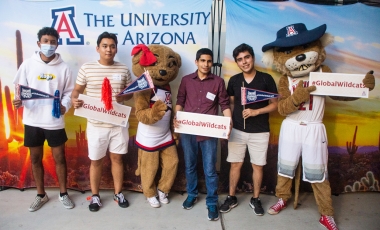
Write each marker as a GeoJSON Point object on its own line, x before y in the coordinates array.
{"type": "Point", "coordinates": [295, 53]}
{"type": "Point", "coordinates": [154, 112]}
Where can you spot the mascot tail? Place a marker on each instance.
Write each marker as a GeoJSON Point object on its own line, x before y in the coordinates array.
{"type": "Point", "coordinates": [138, 170]}
{"type": "Point", "coordinates": [297, 180]}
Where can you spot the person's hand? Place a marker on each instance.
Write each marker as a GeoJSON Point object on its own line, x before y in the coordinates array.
{"type": "Point", "coordinates": [124, 97]}
{"type": "Point", "coordinates": [250, 113]}
{"type": "Point", "coordinates": [77, 103]}
{"type": "Point", "coordinates": [119, 99]}
{"type": "Point", "coordinates": [63, 109]}
{"type": "Point", "coordinates": [17, 103]}
{"type": "Point", "coordinates": [369, 80]}
{"type": "Point", "coordinates": [175, 123]}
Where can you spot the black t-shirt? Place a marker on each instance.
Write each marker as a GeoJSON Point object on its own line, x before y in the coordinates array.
{"type": "Point", "coordinates": [262, 81]}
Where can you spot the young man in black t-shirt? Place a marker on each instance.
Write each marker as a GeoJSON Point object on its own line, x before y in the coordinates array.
{"type": "Point", "coordinates": [250, 126]}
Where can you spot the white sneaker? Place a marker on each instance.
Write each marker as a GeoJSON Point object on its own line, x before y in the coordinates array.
{"type": "Point", "coordinates": [163, 197]}
{"type": "Point", "coordinates": [38, 202]}
{"type": "Point", "coordinates": [66, 201]}
{"type": "Point", "coordinates": [153, 202]}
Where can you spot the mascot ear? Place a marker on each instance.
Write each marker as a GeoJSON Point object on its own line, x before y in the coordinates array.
{"type": "Point", "coordinates": [136, 59]}
{"type": "Point", "coordinates": [268, 58]}
{"type": "Point", "coordinates": [179, 60]}
{"type": "Point", "coordinates": [326, 39]}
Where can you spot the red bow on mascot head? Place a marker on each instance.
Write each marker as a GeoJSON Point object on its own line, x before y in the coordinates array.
{"type": "Point", "coordinates": [147, 57]}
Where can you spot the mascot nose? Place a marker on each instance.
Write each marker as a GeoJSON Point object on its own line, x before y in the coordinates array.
{"type": "Point", "coordinates": [301, 57]}
{"type": "Point", "coordinates": [162, 72]}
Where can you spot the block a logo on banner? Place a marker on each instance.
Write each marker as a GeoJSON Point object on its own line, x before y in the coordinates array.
{"type": "Point", "coordinates": [64, 23]}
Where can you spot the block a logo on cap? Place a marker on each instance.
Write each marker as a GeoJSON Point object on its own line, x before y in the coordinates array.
{"type": "Point", "coordinates": [291, 31]}
{"type": "Point", "coordinates": [64, 23]}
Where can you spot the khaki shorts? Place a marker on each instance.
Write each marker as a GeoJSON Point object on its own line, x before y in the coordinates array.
{"type": "Point", "coordinates": [100, 139]}
{"type": "Point", "coordinates": [257, 146]}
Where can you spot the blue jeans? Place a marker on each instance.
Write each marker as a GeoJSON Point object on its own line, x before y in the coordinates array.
{"type": "Point", "coordinates": [209, 151]}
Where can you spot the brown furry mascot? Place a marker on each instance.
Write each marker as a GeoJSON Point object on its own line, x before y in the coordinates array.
{"type": "Point", "coordinates": [154, 113]}
{"type": "Point", "coordinates": [295, 53]}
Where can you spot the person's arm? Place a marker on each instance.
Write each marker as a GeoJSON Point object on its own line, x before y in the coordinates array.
{"type": "Point", "coordinates": [224, 103]}
{"type": "Point", "coordinates": [78, 89]}
{"type": "Point", "coordinates": [66, 92]}
{"type": "Point", "coordinates": [227, 113]}
{"type": "Point", "coordinates": [177, 108]}
{"type": "Point", "coordinates": [232, 103]}
{"type": "Point", "coordinates": [181, 98]}
{"type": "Point", "coordinates": [267, 109]}
{"type": "Point", "coordinates": [20, 78]}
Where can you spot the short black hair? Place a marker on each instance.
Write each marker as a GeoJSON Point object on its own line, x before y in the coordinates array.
{"type": "Point", "coordinates": [106, 35]}
{"type": "Point", "coordinates": [242, 48]}
{"type": "Point", "coordinates": [47, 31]}
{"type": "Point", "coordinates": [202, 51]}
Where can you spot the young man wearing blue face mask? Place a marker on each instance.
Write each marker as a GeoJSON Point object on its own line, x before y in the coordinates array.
{"type": "Point", "coordinates": [47, 72]}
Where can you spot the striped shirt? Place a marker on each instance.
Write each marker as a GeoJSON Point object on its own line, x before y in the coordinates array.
{"type": "Point", "coordinates": [92, 74]}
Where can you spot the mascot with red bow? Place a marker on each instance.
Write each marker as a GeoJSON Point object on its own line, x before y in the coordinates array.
{"type": "Point", "coordinates": [154, 136]}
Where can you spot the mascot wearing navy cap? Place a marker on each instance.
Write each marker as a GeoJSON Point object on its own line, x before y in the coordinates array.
{"type": "Point", "coordinates": [295, 53]}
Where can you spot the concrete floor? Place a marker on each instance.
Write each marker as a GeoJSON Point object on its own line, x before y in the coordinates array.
{"type": "Point", "coordinates": [352, 211]}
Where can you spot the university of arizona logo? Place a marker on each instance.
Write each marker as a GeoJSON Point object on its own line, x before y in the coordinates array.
{"type": "Point", "coordinates": [64, 23]}
{"type": "Point", "coordinates": [251, 96]}
{"type": "Point", "coordinates": [26, 93]}
{"type": "Point", "coordinates": [142, 83]}
{"type": "Point", "coordinates": [291, 31]}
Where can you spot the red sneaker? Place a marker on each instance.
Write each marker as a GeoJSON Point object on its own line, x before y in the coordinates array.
{"type": "Point", "coordinates": [328, 222]}
{"type": "Point", "coordinates": [281, 204]}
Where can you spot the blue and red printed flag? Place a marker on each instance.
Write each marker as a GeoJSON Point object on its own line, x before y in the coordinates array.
{"type": "Point", "coordinates": [27, 93]}
{"type": "Point", "coordinates": [142, 83]}
{"type": "Point", "coordinates": [249, 96]}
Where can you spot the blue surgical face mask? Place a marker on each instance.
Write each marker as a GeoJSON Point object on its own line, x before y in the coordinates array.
{"type": "Point", "coordinates": [48, 50]}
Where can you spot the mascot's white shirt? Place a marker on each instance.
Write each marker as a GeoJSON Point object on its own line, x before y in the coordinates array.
{"type": "Point", "coordinates": [158, 135]}
{"type": "Point", "coordinates": [310, 112]}
{"type": "Point", "coordinates": [45, 77]}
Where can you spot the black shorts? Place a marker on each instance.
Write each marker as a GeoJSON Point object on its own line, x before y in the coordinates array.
{"type": "Point", "coordinates": [34, 136]}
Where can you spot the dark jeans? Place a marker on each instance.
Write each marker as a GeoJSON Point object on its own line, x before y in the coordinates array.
{"type": "Point", "coordinates": [209, 151]}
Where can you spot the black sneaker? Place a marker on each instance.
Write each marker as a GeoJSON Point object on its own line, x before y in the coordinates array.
{"type": "Point", "coordinates": [256, 206]}
{"type": "Point", "coordinates": [213, 212]}
{"type": "Point", "coordinates": [95, 203]}
{"type": "Point", "coordinates": [119, 198]}
{"type": "Point", "coordinates": [189, 202]}
{"type": "Point", "coordinates": [230, 203]}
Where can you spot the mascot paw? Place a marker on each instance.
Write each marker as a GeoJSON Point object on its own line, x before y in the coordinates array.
{"type": "Point", "coordinates": [369, 80]}
{"type": "Point", "coordinates": [302, 94]}
{"type": "Point", "coordinates": [158, 110]}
